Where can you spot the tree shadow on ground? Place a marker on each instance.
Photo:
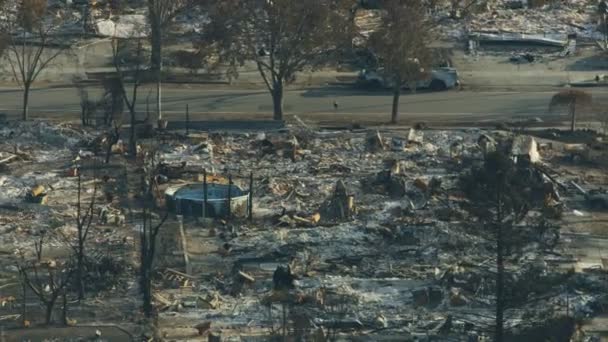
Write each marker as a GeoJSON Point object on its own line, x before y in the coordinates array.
{"type": "Point", "coordinates": [597, 62]}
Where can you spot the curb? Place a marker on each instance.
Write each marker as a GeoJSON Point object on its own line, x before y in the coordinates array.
{"type": "Point", "coordinates": [587, 85]}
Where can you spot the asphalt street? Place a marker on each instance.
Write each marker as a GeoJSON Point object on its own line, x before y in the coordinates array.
{"type": "Point", "coordinates": [316, 104]}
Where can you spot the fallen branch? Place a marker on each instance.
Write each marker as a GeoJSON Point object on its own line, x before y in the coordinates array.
{"type": "Point", "coordinates": [181, 274]}
{"type": "Point", "coordinates": [162, 300]}
{"type": "Point", "coordinates": [246, 276]}
{"type": "Point", "coordinates": [302, 220]}
{"type": "Point", "coordinates": [8, 285]}
{"type": "Point", "coordinates": [8, 159]}
{"type": "Point", "coordinates": [582, 28]}
{"type": "Point", "coordinates": [545, 171]}
{"type": "Point", "coordinates": [303, 124]}
{"type": "Point", "coordinates": [579, 188]}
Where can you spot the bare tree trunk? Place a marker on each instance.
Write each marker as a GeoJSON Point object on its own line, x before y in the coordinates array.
{"type": "Point", "coordinates": [146, 270]}
{"type": "Point", "coordinates": [573, 115]}
{"type": "Point", "coordinates": [132, 137]}
{"type": "Point", "coordinates": [147, 292]}
{"type": "Point", "coordinates": [38, 245]}
{"type": "Point", "coordinates": [108, 152]}
{"type": "Point", "coordinates": [114, 136]}
{"type": "Point", "coordinates": [156, 55]}
{"type": "Point", "coordinates": [148, 236]}
{"type": "Point", "coordinates": [159, 94]}
{"type": "Point", "coordinates": [64, 316]}
{"type": "Point", "coordinates": [26, 100]}
{"type": "Point", "coordinates": [605, 30]}
{"type": "Point", "coordinates": [80, 270]}
{"type": "Point", "coordinates": [83, 116]}
{"type": "Point", "coordinates": [147, 257]}
{"type": "Point", "coordinates": [80, 247]}
{"type": "Point", "coordinates": [284, 323]}
{"type": "Point", "coordinates": [395, 111]}
{"type": "Point", "coordinates": [277, 101]}
{"type": "Point", "coordinates": [500, 269]}
{"type": "Point", "coordinates": [23, 307]}
{"type": "Point", "coordinates": [49, 311]}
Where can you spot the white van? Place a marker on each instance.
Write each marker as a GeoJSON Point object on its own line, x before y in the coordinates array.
{"type": "Point", "coordinates": [439, 79]}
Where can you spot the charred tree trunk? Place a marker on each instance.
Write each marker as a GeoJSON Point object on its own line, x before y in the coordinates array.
{"type": "Point", "coordinates": [48, 317]}
{"type": "Point", "coordinates": [277, 100]}
{"type": "Point", "coordinates": [38, 246]}
{"type": "Point", "coordinates": [395, 110]}
{"type": "Point", "coordinates": [23, 302]}
{"type": "Point", "coordinates": [147, 292]}
{"type": "Point", "coordinates": [80, 247]}
{"type": "Point", "coordinates": [108, 152]}
{"type": "Point", "coordinates": [80, 270]}
{"type": "Point", "coordinates": [113, 137]}
{"type": "Point", "coordinates": [146, 273]}
{"type": "Point", "coordinates": [605, 22]}
{"type": "Point", "coordinates": [144, 280]}
{"type": "Point", "coordinates": [132, 136]}
{"type": "Point", "coordinates": [26, 100]}
{"type": "Point", "coordinates": [64, 316]}
{"type": "Point", "coordinates": [148, 246]}
{"type": "Point", "coordinates": [83, 115]}
{"type": "Point", "coordinates": [284, 322]}
{"type": "Point", "coordinates": [159, 95]}
{"type": "Point", "coordinates": [156, 41]}
{"type": "Point", "coordinates": [148, 235]}
{"type": "Point", "coordinates": [500, 270]}
{"type": "Point", "coordinates": [572, 108]}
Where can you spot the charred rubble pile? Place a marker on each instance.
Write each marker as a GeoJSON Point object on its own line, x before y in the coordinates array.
{"type": "Point", "coordinates": [351, 233]}
{"type": "Point", "coordinates": [377, 233]}
{"type": "Point", "coordinates": [42, 167]}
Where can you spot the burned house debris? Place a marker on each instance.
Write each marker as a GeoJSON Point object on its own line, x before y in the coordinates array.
{"type": "Point", "coordinates": [468, 218]}
{"type": "Point", "coordinates": [341, 241]}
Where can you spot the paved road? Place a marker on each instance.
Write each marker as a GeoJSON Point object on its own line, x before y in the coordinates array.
{"type": "Point", "coordinates": [206, 102]}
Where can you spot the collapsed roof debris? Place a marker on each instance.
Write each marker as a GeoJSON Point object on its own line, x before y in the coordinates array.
{"type": "Point", "coordinates": [553, 22]}
{"type": "Point", "coordinates": [344, 239]}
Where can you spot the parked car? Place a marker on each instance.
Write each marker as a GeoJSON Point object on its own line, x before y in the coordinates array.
{"type": "Point", "coordinates": [437, 80]}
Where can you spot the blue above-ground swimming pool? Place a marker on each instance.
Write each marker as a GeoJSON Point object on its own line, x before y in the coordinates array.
{"type": "Point", "coordinates": [188, 199]}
